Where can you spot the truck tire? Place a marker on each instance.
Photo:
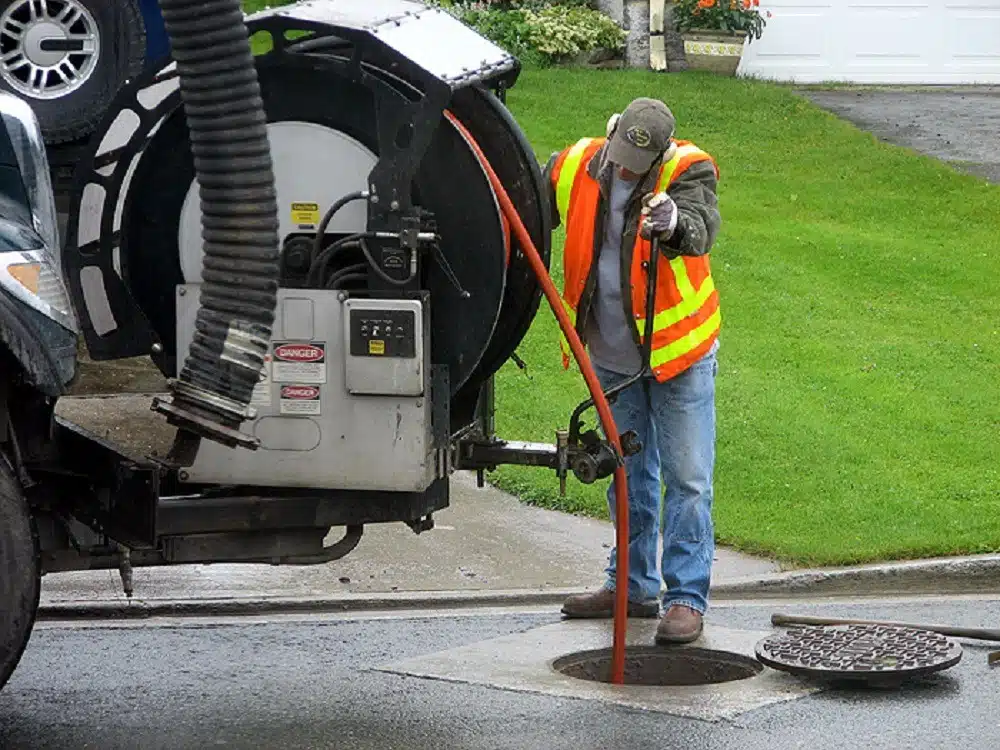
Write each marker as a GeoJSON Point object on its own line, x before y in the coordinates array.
{"type": "Point", "coordinates": [20, 575]}
{"type": "Point", "coordinates": [69, 90]}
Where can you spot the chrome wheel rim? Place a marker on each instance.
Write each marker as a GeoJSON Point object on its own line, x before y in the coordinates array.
{"type": "Point", "coordinates": [48, 48]}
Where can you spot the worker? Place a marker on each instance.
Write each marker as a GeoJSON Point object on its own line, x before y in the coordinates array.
{"type": "Point", "coordinates": [613, 195]}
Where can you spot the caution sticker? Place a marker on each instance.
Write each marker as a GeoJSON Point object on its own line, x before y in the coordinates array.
{"type": "Point", "coordinates": [301, 400]}
{"type": "Point", "coordinates": [376, 346]}
{"type": "Point", "coordinates": [305, 214]}
{"type": "Point", "coordinates": [299, 363]}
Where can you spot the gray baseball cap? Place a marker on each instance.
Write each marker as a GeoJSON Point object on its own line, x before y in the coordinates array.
{"type": "Point", "coordinates": [643, 133]}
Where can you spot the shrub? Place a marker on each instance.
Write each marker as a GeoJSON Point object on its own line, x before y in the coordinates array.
{"type": "Point", "coordinates": [508, 29]}
{"type": "Point", "coordinates": [541, 32]}
{"type": "Point", "coordinates": [560, 31]}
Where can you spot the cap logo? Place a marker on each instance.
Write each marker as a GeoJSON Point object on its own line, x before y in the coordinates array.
{"type": "Point", "coordinates": [638, 136]}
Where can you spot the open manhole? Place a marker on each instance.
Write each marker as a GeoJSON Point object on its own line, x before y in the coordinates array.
{"type": "Point", "coordinates": [649, 665]}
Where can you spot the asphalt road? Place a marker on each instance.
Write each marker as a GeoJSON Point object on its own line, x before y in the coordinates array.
{"type": "Point", "coordinates": [959, 126]}
{"type": "Point", "coordinates": [308, 683]}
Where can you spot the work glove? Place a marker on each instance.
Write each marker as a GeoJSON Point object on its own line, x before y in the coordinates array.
{"type": "Point", "coordinates": [658, 216]}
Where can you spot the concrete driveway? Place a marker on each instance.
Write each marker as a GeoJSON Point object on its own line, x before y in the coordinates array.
{"type": "Point", "coordinates": [957, 125]}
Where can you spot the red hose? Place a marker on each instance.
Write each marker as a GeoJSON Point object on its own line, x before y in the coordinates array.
{"type": "Point", "coordinates": [596, 392]}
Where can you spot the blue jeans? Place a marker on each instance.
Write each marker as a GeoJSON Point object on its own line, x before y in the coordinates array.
{"type": "Point", "coordinates": [675, 422]}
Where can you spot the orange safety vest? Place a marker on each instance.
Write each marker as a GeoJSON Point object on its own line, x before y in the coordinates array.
{"type": "Point", "coordinates": [687, 315]}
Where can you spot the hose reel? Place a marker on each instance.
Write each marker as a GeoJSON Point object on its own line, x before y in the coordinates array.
{"type": "Point", "coordinates": [354, 106]}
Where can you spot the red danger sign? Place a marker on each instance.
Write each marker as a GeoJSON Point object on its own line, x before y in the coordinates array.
{"type": "Point", "coordinates": [300, 392]}
{"type": "Point", "coordinates": [299, 362]}
{"type": "Point", "coordinates": [299, 353]}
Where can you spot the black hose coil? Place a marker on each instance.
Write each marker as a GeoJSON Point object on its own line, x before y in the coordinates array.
{"type": "Point", "coordinates": [232, 160]}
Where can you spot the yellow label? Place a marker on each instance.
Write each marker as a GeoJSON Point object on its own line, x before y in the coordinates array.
{"type": "Point", "coordinates": [376, 346]}
{"type": "Point", "coordinates": [305, 213]}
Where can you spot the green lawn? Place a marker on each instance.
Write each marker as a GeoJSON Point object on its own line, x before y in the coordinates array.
{"type": "Point", "coordinates": [859, 388]}
{"type": "Point", "coordinates": [252, 6]}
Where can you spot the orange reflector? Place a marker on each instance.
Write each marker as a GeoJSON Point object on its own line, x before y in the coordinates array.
{"type": "Point", "coordinates": [27, 274]}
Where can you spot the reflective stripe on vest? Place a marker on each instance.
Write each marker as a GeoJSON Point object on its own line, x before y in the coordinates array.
{"type": "Point", "coordinates": [691, 300]}
{"type": "Point", "coordinates": [568, 170]}
{"type": "Point", "coordinates": [687, 343]}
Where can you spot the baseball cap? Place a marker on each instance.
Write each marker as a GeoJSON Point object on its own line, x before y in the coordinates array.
{"type": "Point", "coordinates": [643, 133]}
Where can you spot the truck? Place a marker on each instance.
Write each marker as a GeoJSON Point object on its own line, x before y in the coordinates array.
{"type": "Point", "coordinates": [324, 227]}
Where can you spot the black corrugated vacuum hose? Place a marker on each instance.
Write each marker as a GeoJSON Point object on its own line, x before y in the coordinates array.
{"type": "Point", "coordinates": [232, 159]}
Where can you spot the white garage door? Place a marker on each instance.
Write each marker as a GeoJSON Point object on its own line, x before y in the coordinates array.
{"type": "Point", "coordinates": [866, 41]}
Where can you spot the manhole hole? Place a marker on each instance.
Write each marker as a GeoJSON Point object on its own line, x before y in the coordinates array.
{"type": "Point", "coordinates": [649, 665]}
{"type": "Point", "coordinates": [877, 654]}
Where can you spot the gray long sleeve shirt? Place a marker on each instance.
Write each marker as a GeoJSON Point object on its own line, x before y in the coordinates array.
{"type": "Point", "coordinates": [612, 346]}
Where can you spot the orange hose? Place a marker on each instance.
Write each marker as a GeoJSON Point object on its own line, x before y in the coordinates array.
{"type": "Point", "coordinates": [596, 392]}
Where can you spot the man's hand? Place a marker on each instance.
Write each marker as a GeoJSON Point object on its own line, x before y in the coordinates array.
{"type": "Point", "coordinates": [659, 216]}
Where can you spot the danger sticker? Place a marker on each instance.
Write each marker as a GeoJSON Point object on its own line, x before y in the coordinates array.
{"type": "Point", "coordinates": [305, 214]}
{"type": "Point", "coordinates": [299, 363]}
{"type": "Point", "coordinates": [301, 400]}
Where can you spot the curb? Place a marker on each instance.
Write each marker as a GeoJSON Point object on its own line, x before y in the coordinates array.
{"type": "Point", "coordinates": [344, 603]}
{"type": "Point", "coordinates": [977, 574]}
{"type": "Point", "coordinates": [966, 575]}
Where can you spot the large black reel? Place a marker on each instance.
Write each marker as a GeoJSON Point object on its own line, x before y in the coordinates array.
{"type": "Point", "coordinates": [473, 336]}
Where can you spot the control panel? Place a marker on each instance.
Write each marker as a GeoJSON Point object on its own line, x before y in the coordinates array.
{"type": "Point", "coordinates": [385, 348]}
{"type": "Point", "coordinates": [383, 333]}
{"type": "Point", "coordinates": [323, 412]}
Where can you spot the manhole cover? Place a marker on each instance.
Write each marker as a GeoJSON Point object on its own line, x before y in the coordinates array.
{"type": "Point", "coordinates": [877, 654]}
{"type": "Point", "coordinates": [649, 665]}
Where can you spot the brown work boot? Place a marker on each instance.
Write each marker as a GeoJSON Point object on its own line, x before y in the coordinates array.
{"type": "Point", "coordinates": [601, 604]}
{"type": "Point", "coordinates": [679, 625]}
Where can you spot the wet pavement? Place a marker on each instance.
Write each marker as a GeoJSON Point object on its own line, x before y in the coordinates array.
{"type": "Point", "coordinates": [319, 682]}
{"type": "Point", "coordinates": [959, 126]}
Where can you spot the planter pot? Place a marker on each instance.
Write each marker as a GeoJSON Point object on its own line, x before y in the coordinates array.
{"type": "Point", "coordinates": [715, 51]}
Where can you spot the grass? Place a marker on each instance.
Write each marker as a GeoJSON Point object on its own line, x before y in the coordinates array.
{"type": "Point", "coordinates": [253, 6]}
{"type": "Point", "coordinates": [859, 388]}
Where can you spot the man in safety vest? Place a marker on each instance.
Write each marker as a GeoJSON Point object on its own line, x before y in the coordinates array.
{"type": "Point", "coordinates": [613, 195]}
